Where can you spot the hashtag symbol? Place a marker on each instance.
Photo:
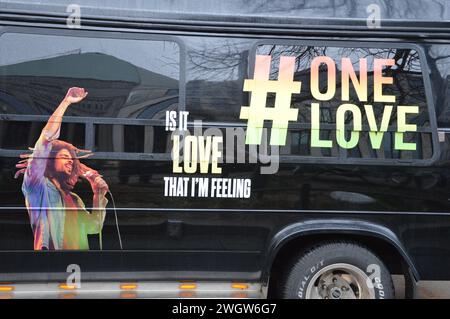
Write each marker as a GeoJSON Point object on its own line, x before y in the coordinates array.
{"type": "Point", "coordinates": [281, 113]}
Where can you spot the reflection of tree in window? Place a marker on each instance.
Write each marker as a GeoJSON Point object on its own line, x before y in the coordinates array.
{"type": "Point", "coordinates": [215, 70]}
{"type": "Point", "coordinates": [408, 87]}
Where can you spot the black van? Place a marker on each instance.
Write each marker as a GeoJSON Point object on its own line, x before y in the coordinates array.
{"type": "Point", "coordinates": [297, 147]}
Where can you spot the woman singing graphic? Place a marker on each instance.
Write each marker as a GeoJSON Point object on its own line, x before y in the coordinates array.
{"type": "Point", "coordinates": [58, 216]}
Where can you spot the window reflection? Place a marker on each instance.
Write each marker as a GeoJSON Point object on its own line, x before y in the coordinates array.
{"type": "Point", "coordinates": [126, 79]}
{"type": "Point", "coordinates": [216, 69]}
{"type": "Point", "coordinates": [408, 89]}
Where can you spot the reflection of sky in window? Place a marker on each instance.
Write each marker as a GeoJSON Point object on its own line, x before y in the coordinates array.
{"type": "Point", "coordinates": [157, 56]}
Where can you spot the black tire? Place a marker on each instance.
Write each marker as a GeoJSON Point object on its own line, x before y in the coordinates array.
{"type": "Point", "coordinates": [315, 260]}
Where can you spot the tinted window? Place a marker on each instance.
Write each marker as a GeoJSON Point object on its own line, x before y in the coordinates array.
{"type": "Point", "coordinates": [216, 68]}
{"type": "Point", "coordinates": [126, 80]}
{"type": "Point", "coordinates": [408, 88]}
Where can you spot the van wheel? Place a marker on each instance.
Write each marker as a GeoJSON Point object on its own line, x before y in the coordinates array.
{"type": "Point", "coordinates": [338, 270]}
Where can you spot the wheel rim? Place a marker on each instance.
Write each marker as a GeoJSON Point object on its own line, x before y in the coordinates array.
{"type": "Point", "coordinates": [340, 281]}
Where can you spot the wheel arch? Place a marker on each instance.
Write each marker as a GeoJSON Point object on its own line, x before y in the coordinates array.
{"type": "Point", "coordinates": [380, 239]}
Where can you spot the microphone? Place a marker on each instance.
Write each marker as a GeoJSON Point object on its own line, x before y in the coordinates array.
{"type": "Point", "coordinates": [90, 175]}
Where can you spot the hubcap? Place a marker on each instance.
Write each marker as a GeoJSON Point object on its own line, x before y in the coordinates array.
{"type": "Point", "coordinates": [340, 281]}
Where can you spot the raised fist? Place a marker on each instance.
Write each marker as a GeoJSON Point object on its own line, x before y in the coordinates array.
{"type": "Point", "coordinates": [75, 95]}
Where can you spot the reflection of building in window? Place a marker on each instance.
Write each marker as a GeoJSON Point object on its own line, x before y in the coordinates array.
{"type": "Point", "coordinates": [117, 89]}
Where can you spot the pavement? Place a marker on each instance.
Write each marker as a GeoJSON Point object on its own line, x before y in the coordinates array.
{"type": "Point", "coordinates": [425, 289]}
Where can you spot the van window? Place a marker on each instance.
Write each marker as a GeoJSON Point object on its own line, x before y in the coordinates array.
{"type": "Point", "coordinates": [215, 73]}
{"type": "Point", "coordinates": [129, 82]}
{"type": "Point", "coordinates": [408, 89]}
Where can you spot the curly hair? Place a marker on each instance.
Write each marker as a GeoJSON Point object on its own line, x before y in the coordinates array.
{"type": "Point", "coordinates": [67, 182]}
